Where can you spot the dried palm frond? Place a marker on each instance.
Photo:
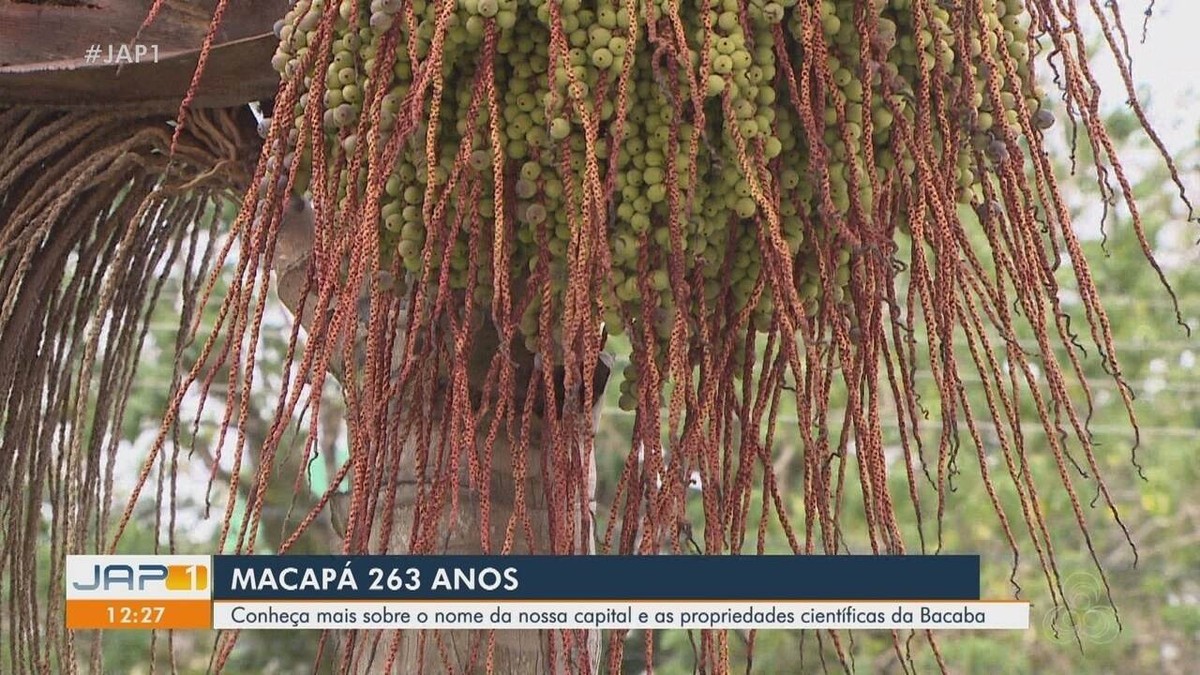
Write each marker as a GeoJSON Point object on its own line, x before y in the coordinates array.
{"type": "Point", "coordinates": [95, 214]}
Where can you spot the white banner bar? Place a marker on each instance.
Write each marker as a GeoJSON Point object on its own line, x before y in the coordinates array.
{"type": "Point", "coordinates": [528, 614]}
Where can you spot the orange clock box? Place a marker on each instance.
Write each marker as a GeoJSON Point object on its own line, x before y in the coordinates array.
{"type": "Point", "coordinates": [109, 614]}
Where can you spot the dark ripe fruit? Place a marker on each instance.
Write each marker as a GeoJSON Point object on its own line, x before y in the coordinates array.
{"type": "Point", "coordinates": [1043, 119]}
{"type": "Point", "coordinates": [535, 214]}
{"type": "Point", "coordinates": [381, 21]}
{"type": "Point", "coordinates": [525, 189]}
{"type": "Point", "coordinates": [343, 114]}
{"type": "Point", "coordinates": [997, 151]}
{"type": "Point", "coordinates": [990, 209]}
{"type": "Point", "coordinates": [885, 34]}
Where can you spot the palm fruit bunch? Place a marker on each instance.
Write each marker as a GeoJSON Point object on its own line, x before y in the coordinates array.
{"type": "Point", "coordinates": [697, 136]}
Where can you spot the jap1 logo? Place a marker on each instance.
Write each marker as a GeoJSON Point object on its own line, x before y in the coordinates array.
{"type": "Point", "coordinates": [114, 576]}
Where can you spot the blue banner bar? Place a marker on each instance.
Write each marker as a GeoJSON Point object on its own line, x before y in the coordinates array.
{"type": "Point", "coordinates": [264, 577]}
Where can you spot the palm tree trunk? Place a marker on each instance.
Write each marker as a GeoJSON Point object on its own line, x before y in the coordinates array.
{"type": "Point", "coordinates": [517, 652]}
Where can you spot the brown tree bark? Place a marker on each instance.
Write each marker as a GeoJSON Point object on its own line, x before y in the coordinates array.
{"type": "Point", "coordinates": [523, 652]}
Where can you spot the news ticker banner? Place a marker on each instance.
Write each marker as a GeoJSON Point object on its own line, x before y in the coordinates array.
{"type": "Point", "coordinates": [525, 592]}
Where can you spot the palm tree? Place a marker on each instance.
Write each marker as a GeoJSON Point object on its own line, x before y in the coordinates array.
{"type": "Point", "coordinates": [792, 174]}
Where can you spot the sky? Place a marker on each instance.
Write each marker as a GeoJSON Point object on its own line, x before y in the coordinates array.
{"type": "Point", "coordinates": [1166, 76]}
{"type": "Point", "coordinates": [1165, 66]}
